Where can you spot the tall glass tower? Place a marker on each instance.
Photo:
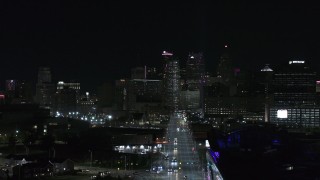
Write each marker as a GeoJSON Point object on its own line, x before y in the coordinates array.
{"type": "Point", "coordinates": [171, 79]}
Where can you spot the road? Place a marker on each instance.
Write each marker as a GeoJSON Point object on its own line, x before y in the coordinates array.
{"type": "Point", "coordinates": [183, 158]}
{"type": "Point", "coordinates": [186, 157]}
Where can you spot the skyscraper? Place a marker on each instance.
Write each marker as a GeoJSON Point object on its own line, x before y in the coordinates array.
{"type": "Point", "coordinates": [171, 81]}
{"type": "Point", "coordinates": [67, 97]}
{"type": "Point", "coordinates": [44, 88]}
{"type": "Point", "coordinates": [18, 92]}
{"type": "Point", "coordinates": [44, 75]}
{"type": "Point", "coordinates": [195, 70]}
{"type": "Point", "coordinates": [225, 69]}
{"type": "Point", "coordinates": [295, 96]}
{"type": "Point", "coordinates": [192, 91]}
{"type": "Point", "coordinates": [267, 75]}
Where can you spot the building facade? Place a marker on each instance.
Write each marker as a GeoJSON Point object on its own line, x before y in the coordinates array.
{"type": "Point", "coordinates": [45, 89]}
{"type": "Point", "coordinates": [171, 82]}
{"type": "Point", "coordinates": [294, 89]}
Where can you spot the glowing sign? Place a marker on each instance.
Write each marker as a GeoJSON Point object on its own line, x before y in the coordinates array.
{"type": "Point", "coordinates": [282, 113]}
{"type": "Point", "coordinates": [296, 62]}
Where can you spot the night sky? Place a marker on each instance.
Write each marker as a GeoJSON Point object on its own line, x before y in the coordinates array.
{"type": "Point", "coordinates": [97, 41]}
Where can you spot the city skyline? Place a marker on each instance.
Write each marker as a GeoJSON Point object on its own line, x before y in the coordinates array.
{"type": "Point", "coordinates": [87, 41]}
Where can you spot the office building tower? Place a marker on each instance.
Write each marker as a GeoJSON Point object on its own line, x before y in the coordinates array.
{"type": "Point", "coordinates": [106, 95]}
{"type": "Point", "coordinates": [195, 70]}
{"type": "Point", "coordinates": [121, 98]}
{"type": "Point", "coordinates": [294, 89]}
{"type": "Point", "coordinates": [44, 88]}
{"type": "Point", "coordinates": [44, 75]}
{"type": "Point", "coordinates": [70, 85]}
{"type": "Point", "coordinates": [171, 82]}
{"type": "Point", "coordinates": [225, 69]}
{"type": "Point", "coordinates": [143, 92]}
{"type": "Point", "coordinates": [191, 95]}
{"type": "Point", "coordinates": [65, 101]}
{"type": "Point", "coordinates": [11, 85]}
{"type": "Point", "coordinates": [267, 75]}
{"type": "Point", "coordinates": [67, 97]}
{"type": "Point", "coordinates": [18, 92]}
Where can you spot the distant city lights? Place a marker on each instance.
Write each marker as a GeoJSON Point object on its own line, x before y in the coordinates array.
{"type": "Point", "coordinates": [296, 62]}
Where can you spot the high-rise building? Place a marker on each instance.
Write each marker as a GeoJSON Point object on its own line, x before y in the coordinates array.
{"type": "Point", "coordinates": [295, 85]}
{"type": "Point", "coordinates": [195, 70]}
{"type": "Point", "coordinates": [18, 92]}
{"type": "Point", "coordinates": [11, 85]}
{"type": "Point", "coordinates": [191, 95]}
{"type": "Point", "coordinates": [294, 90]}
{"type": "Point", "coordinates": [67, 97]}
{"type": "Point", "coordinates": [44, 88]}
{"type": "Point", "coordinates": [121, 96]}
{"type": "Point", "coordinates": [143, 92]}
{"type": "Point", "coordinates": [44, 75]}
{"type": "Point", "coordinates": [70, 85]}
{"type": "Point", "coordinates": [106, 95]}
{"type": "Point", "coordinates": [10, 90]}
{"type": "Point", "coordinates": [65, 101]}
{"type": "Point", "coordinates": [267, 75]}
{"type": "Point", "coordinates": [171, 82]}
{"type": "Point", "coordinates": [225, 70]}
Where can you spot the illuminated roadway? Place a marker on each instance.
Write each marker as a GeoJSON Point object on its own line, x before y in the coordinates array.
{"type": "Point", "coordinates": [187, 160]}
{"type": "Point", "coordinates": [183, 151]}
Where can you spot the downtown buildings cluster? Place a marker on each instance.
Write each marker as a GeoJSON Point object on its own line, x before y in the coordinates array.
{"type": "Point", "coordinates": [286, 94]}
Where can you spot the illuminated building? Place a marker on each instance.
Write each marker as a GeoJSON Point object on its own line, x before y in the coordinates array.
{"type": "Point", "coordinates": [143, 91]}
{"type": "Point", "coordinates": [192, 87]}
{"type": "Point", "coordinates": [195, 70]}
{"type": "Point", "coordinates": [171, 82]}
{"type": "Point", "coordinates": [88, 104]}
{"type": "Point", "coordinates": [267, 75]}
{"type": "Point", "coordinates": [18, 92]}
{"type": "Point", "coordinates": [121, 99]}
{"type": "Point", "coordinates": [70, 85]}
{"type": "Point", "coordinates": [294, 89]}
{"type": "Point", "coordinates": [189, 99]}
{"type": "Point", "coordinates": [11, 87]}
{"type": "Point", "coordinates": [44, 88]}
